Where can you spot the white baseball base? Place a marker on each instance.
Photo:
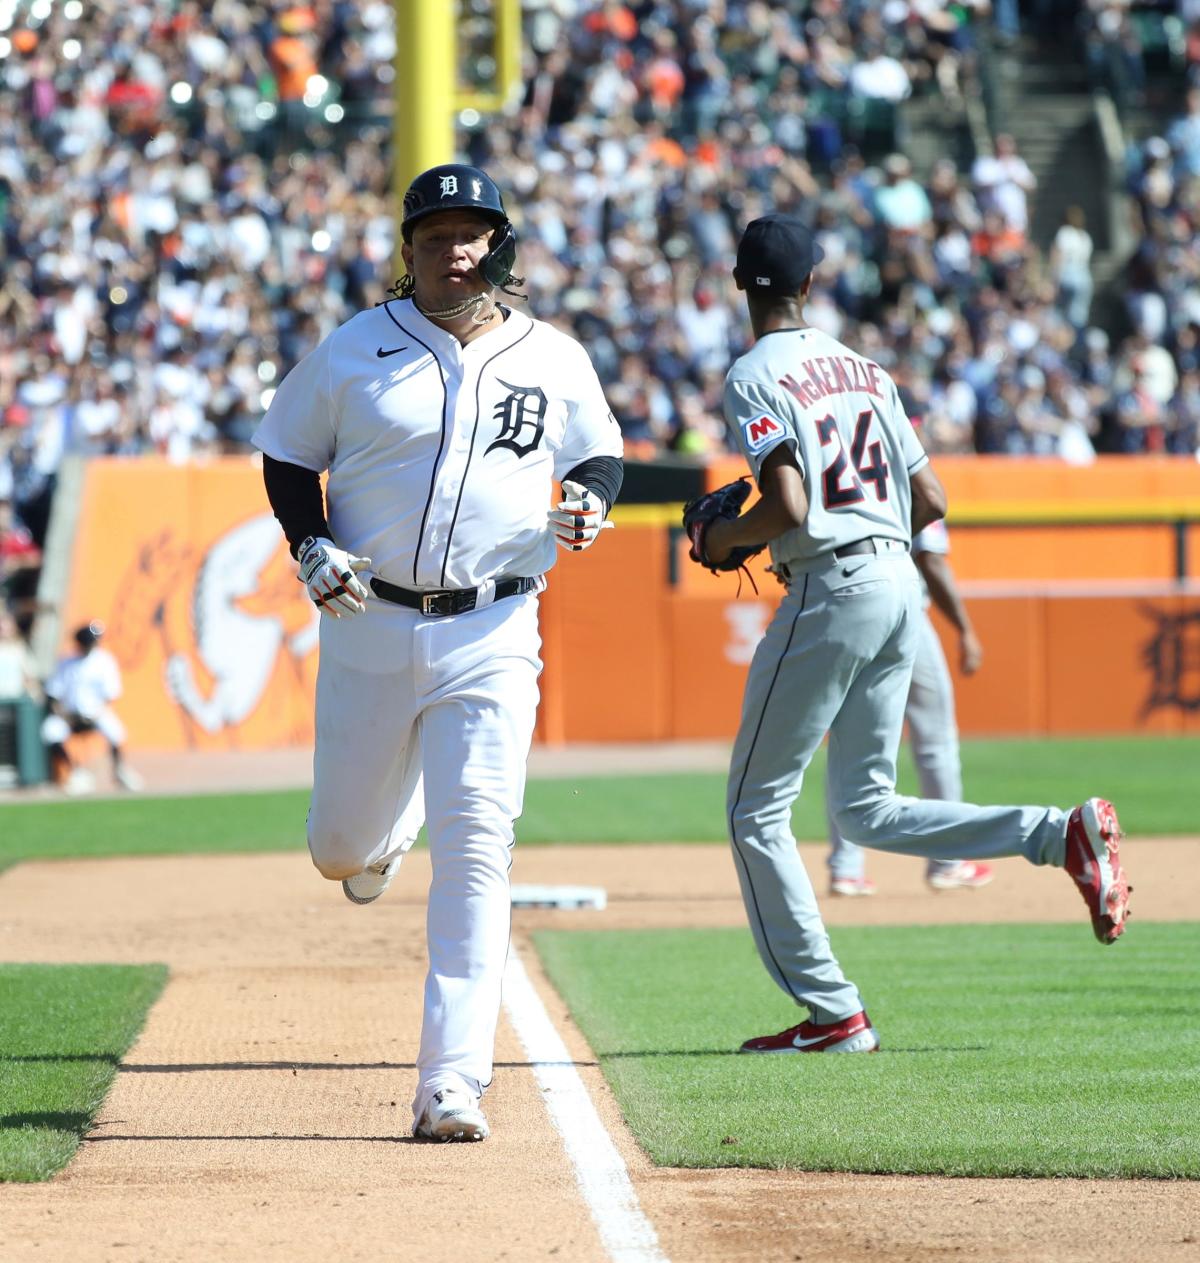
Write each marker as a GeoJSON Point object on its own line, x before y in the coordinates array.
{"type": "Point", "coordinates": [560, 897]}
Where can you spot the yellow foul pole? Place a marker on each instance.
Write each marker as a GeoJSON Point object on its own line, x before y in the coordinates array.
{"type": "Point", "coordinates": [426, 90]}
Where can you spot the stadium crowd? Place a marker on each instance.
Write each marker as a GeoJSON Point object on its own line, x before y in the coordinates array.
{"type": "Point", "coordinates": [192, 195]}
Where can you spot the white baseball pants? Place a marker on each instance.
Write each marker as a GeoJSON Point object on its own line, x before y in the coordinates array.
{"type": "Point", "coordinates": [56, 730]}
{"type": "Point", "coordinates": [450, 701]}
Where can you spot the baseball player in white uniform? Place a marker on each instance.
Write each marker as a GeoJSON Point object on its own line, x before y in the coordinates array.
{"type": "Point", "coordinates": [932, 725]}
{"type": "Point", "coordinates": [81, 691]}
{"type": "Point", "coordinates": [844, 483]}
{"type": "Point", "coordinates": [442, 417]}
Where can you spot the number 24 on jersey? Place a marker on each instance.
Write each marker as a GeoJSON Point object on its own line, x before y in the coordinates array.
{"type": "Point", "coordinates": [842, 478]}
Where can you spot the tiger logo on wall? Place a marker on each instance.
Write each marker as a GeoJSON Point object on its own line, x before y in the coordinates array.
{"type": "Point", "coordinates": [233, 626]}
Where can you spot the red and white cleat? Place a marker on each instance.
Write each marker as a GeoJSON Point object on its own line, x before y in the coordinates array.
{"type": "Point", "coordinates": [964, 875]}
{"type": "Point", "coordinates": [851, 887]}
{"type": "Point", "coordinates": [1094, 861]}
{"type": "Point", "coordinates": [851, 1035]}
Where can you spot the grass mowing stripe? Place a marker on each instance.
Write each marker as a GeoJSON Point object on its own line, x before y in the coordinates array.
{"type": "Point", "coordinates": [143, 824]}
{"type": "Point", "coordinates": [1152, 781]}
{"type": "Point", "coordinates": [1008, 1050]}
{"type": "Point", "coordinates": [63, 1031]}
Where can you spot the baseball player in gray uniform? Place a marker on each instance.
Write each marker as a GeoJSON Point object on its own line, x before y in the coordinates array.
{"type": "Point", "coordinates": [932, 726]}
{"type": "Point", "coordinates": [442, 417]}
{"type": "Point", "coordinates": [844, 483]}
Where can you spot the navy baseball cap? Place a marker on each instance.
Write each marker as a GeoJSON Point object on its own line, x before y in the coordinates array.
{"type": "Point", "coordinates": [776, 254]}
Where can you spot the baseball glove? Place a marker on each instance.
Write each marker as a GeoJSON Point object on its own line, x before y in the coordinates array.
{"type": "Point", "coordinates": [725, 502]}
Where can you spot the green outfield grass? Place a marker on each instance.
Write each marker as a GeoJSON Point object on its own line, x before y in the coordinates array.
{"type": "Point", "coordinates": [1008, 1050]}
{"type": "Point", "coordinates": [147, 825]}
{"type": "Point", "coordinates": [1153, 781]}
{"type": "Point", "coordinates": [63, 1030]}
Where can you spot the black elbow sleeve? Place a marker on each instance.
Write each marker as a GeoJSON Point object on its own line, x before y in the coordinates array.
{"type": "Point", "coordinates": [295, 496]}
{"type": "Point", "coordinates": [603, 474]}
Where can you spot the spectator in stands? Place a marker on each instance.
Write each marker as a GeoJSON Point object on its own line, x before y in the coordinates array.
{"type": "Point", "coordinates": [18, 671]}
{"type": "Point", "coordinates": [706, 327]}
{"type": "Point", "coordinates": [172, 245]}
{"type": "Point", "coordinates": [1154, 363]}
{"type": "Point", "coordinates": [293, 58]}
{"type": "Point", "coordinates": [952, 202]}
{"type": "Point", "coordinates": [998, 244]}
{"type": "Point", "coordinates": [1078, 421]}
{"type": "Point", "coordinates": [1183, 426]}
{"type": "Point", "coordinates": [20, 563]}
{"type": "Point", "coordinates": [1141, 418]}
{"type": "Point", "coordinates": [997, 427]}
{"type": "Point", "coordinates": [901, 202]}
{"type": "Point", "coordinates": [20, 706]}
{"type": "Point", "coordinates": [1003, 183]}
{"type": "Point", "coordinates": [877, 76]}
{"type": "Point", "coordinates": [663, 80]}
{"type": "Point", "coordinates": [1191, 41]}
{"type": "Point", "coordinates": [1071, 267]}
{"type": "Point", "coordinates": [710, 228]}
{"type": "Point", "coordinates": [953, 406]}
{"type": "Point", "coordinates": [1183, 135]}
{"type": "Point", "coordinates": [81, 691]}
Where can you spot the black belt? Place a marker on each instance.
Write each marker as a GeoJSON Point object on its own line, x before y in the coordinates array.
{"type": "Point", "coordinates": [451, 601]}
{"type": "Point", "coordinates": [856, 549]}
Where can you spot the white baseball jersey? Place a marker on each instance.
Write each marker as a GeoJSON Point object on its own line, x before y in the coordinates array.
{"type": "Point", "coordinates": [440, 455]}
{"type": "Point", "coordinates": [86, 683]}
{"type": "Point", "coordinates": [845, 423]}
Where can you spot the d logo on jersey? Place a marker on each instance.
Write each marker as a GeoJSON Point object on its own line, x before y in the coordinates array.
{"type": "Point", "coordinates": [760, 432]}
{"type": "Point", "coordinates": [522, 417]}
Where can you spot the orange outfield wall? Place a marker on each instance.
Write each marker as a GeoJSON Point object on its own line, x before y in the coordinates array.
{"type": "Point", "coordinates": [217, 641]}
{"type": "Point", "coordinates": [988, 494]}
{"type": "Point", "coordinates": [1126, 661]}
{"type": "Point", "coordinates": [215, 637]}
{"type": "Point", "coordinates": [1081, 664]}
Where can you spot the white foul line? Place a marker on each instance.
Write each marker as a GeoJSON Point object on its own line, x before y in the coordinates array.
{"type": "Point", "coordinates": [626, 1233]}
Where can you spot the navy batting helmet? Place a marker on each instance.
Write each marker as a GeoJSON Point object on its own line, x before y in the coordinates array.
{"type": "Point", "coordinates": [455, 186]}
{"type": "Point", "coordinates": [87, 635]}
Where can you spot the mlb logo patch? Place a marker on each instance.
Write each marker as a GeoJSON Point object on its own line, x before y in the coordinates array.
{"type": "Point", "coordinates": [761, 431]}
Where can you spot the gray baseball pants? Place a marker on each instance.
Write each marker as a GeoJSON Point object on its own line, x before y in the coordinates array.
{"type": "Point", "coordinates": [837, 657]}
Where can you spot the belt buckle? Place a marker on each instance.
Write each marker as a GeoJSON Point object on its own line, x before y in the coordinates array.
{"type": "Point", "coordinates": [429, 604]}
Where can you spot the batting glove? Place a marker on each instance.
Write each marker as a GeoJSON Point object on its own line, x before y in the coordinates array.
{"type": "Point", "coordinates": [579, 517]}
{"type": "Point", "coordinates": [328, 572]}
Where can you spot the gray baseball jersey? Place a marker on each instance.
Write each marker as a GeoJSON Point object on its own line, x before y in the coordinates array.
{"type": "Point", "coordinates": [843, 419]}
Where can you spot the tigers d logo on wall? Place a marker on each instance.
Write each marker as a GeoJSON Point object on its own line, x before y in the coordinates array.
{"type": "Point", "coordinates": [522, 419]}
{"type": "Point", "coordinates": [1172, 656]}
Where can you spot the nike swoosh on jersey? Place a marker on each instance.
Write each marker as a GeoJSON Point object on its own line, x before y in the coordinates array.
{"type": "Point", "coordinates": [382, 354]}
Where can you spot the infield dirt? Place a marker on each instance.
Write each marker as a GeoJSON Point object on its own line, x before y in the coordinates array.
{"type": "Point", "coordinates": [263, 1114]}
